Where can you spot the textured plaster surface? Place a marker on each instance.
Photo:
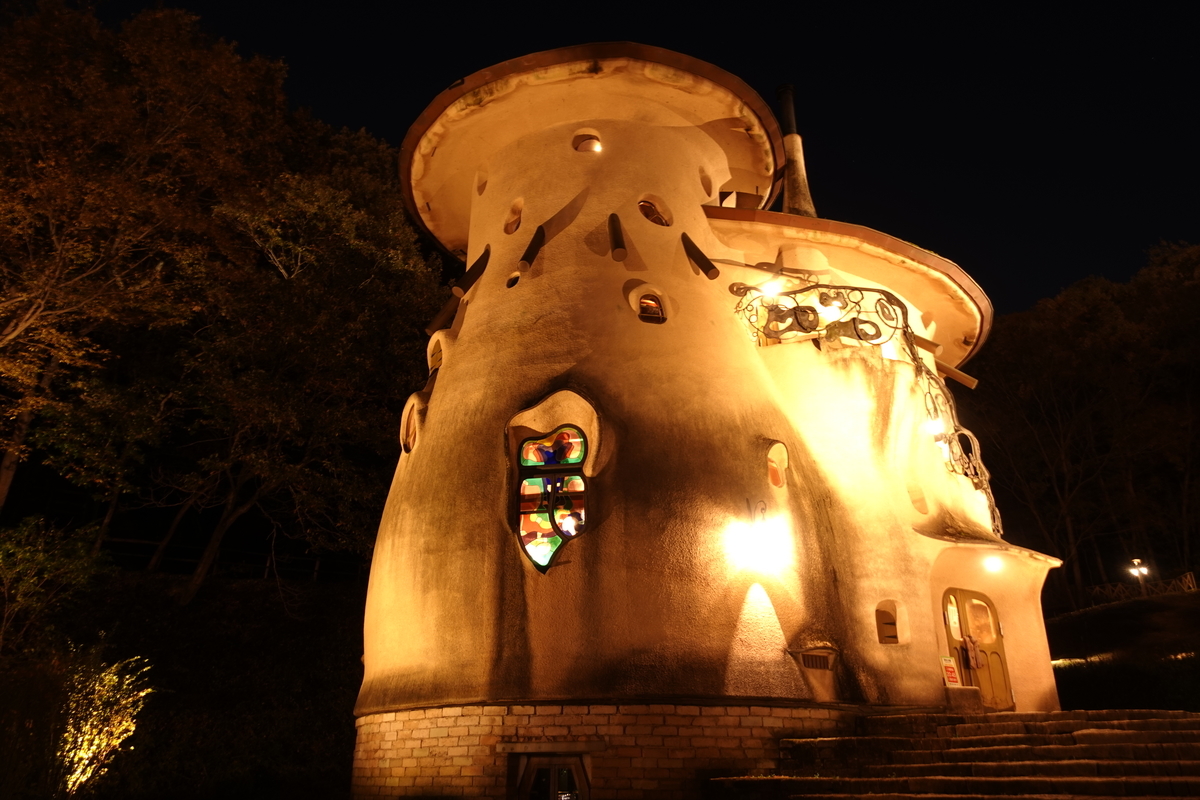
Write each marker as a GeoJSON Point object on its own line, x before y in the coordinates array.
{"type": "Point", "coordinates": [656, 598]}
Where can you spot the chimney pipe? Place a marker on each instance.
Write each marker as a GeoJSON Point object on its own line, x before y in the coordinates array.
{"type": "Point", "coordinates": [796, 197]}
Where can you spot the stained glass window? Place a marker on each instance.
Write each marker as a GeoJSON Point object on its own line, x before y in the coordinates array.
{"type": "Point", "coordinates": [552, 493]}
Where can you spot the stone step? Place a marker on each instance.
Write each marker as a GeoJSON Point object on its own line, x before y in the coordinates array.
{"type": "Point", "coordinates": [945, 744]}
{"type": "Point", "coordinates": [1154, 751]}
{"type": "Point", "coordinates": [916, 724]}
{"type": "Point", "coordinates": [994, 740]}
{"type": "Point", "coordinates": [942, 743]}
{"type": "Point", "coordinates": [1023, 786]}
{"type": "Point", "coordinates": [894, 796]}
{"type": "Point", "coordinates": [1096, 736]}
{"type": "Point", "coordinates": [1092, 768]}
{"type": "Point", "coordinates": [1066, 726]}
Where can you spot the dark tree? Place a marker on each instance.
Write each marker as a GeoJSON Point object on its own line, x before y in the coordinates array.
{"type": "Point", "coordinates": [1086, 407]}
{"type": "Point", "coordinates": [209, 301]}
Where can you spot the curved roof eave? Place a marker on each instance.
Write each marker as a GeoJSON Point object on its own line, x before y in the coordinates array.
{"type": "Point", "coordinates": [585, 52]}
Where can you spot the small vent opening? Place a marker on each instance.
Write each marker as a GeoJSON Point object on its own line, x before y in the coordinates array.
{"type": "Point", "coordinates": [814, 661]}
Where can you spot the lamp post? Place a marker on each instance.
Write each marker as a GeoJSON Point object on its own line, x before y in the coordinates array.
{"type": "Point", "coordinates": [1139, 571]}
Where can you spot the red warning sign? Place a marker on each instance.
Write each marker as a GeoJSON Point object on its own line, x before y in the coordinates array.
{"type": "Point", "coordinates": [950, 671]}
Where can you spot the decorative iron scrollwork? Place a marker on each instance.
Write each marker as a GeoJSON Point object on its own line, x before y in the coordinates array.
{"type": "Point", "coordinates": [870, 317]}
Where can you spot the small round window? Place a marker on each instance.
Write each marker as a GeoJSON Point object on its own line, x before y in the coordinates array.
{"type": "Point", "coordinates": [650, 309]}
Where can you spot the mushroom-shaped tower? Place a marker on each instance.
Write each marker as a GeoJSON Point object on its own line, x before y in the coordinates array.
{"type": "Point", "coordinates": [685, 478]}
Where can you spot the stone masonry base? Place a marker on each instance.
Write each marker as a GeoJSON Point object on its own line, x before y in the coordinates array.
{"type": "Point", "coordinates": [630, 751]}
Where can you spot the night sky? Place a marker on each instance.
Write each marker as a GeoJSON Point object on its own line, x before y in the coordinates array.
{"type": "Point", "coordinates": [1033, 149]}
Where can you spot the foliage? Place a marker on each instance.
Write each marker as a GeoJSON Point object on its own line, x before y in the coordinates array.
{"type": "Point", "coordinates": [102, 705]}
{"type": "Point", "coordinates": [40, 567]}
{"type": "Point", "coordinates": [113, 148]}
{"type": "Point", "coordinates": [255, 685]}
{"type": "Point", "coordinates": [1087, 407]}
{"type": "Point", "coordinates": [212, 302]}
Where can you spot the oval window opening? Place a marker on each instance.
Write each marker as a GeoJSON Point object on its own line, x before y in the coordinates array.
{"type": "Point", "coordinates": [650, 309]}
{"type": "Point", "coordinates": [651, 212]}
{"type": "Point", "coordinates": [777, 464]}
{"type": "Point", "coordinates": [513, 221]}
{"type": "Point", "coordinates": [587, 143]}
{"type": "Point", "coordinates": [408, 434]}
{"type": "Point", "coordinates": [512, 280]}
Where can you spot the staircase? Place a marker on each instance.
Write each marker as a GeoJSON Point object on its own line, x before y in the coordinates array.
{"type": "Point", "coordinates": [1050, 756]}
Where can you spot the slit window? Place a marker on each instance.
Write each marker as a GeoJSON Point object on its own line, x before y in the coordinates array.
{"type": "Point", "coordinates": [552, 493]}
{"type": "Point", "coordinates": [650, 309]}
{"type": "Point", "coordinates": [777, 463]}
{"type": "Point", "coordinates": [408, 433]}
{"type": "Point", "coordinates": [885, 626]}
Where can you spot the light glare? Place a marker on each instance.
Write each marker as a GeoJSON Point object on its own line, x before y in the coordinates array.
{"type": "Point", "coordinates": [933, 427]}
{"type": "Point", "coordinates": [993, 563]}
{"type": "Point", "coordinates": [763, 546]}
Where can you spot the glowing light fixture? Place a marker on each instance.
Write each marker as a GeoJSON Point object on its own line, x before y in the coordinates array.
{"type": "Point", "coordinates": [993, 563]}
{"type": "Point", "coordinates": [1139, 571]}
{"type": "Point", "coordinates": [771, 288]}
{"type": "Point", "coordinates": [762, 546]}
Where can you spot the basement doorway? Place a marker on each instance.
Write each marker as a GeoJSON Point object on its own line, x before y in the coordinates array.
{"type": "Point", "coordinates": [976, 640]}
{"type": "Point", "coordinates": [554, 777]}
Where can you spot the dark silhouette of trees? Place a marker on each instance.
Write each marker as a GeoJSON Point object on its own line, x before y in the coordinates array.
{"type": "Point", "coordinates": [1087, 409]}
{"type": "Point", "coordinates": [206, 300]}
{"type": "Point", "coordinates": [114, 149]}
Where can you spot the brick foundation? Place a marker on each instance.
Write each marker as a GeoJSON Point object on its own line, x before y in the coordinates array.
{"type": "Point", "coordinates": [632, 751]}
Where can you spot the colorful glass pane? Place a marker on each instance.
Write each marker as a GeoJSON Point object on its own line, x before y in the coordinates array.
{"type": "Point", "coordinates": [567, 494]}
{"type": "Point", "coordinates": [564, 446]}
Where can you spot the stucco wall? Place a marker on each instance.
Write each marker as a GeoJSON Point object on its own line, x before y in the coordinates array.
{"type": "Point", "coordinates": [662, 595]}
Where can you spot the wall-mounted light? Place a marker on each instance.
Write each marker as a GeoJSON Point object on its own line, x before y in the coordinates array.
{"type": "Point", "coordinates": [771, 288]}
{"type": "Point", "coordinates": [993, 563]}
{"type": "Point", "coordinates": [764, 545]}
{"type": "Point", "coordinates": [832, 300]}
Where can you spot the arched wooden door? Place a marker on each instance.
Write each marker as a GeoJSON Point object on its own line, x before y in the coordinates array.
{"type": "Point", "coordinates": [976, 641]}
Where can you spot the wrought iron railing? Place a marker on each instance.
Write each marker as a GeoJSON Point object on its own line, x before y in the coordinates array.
{"type": "Point", "coordinates": [1116, 592]}
{"type": "Point", "coordinates": [870, 318]}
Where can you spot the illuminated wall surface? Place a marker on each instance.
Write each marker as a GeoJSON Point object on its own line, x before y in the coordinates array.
{"type": "Point", "coordinates": [674, 448]}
